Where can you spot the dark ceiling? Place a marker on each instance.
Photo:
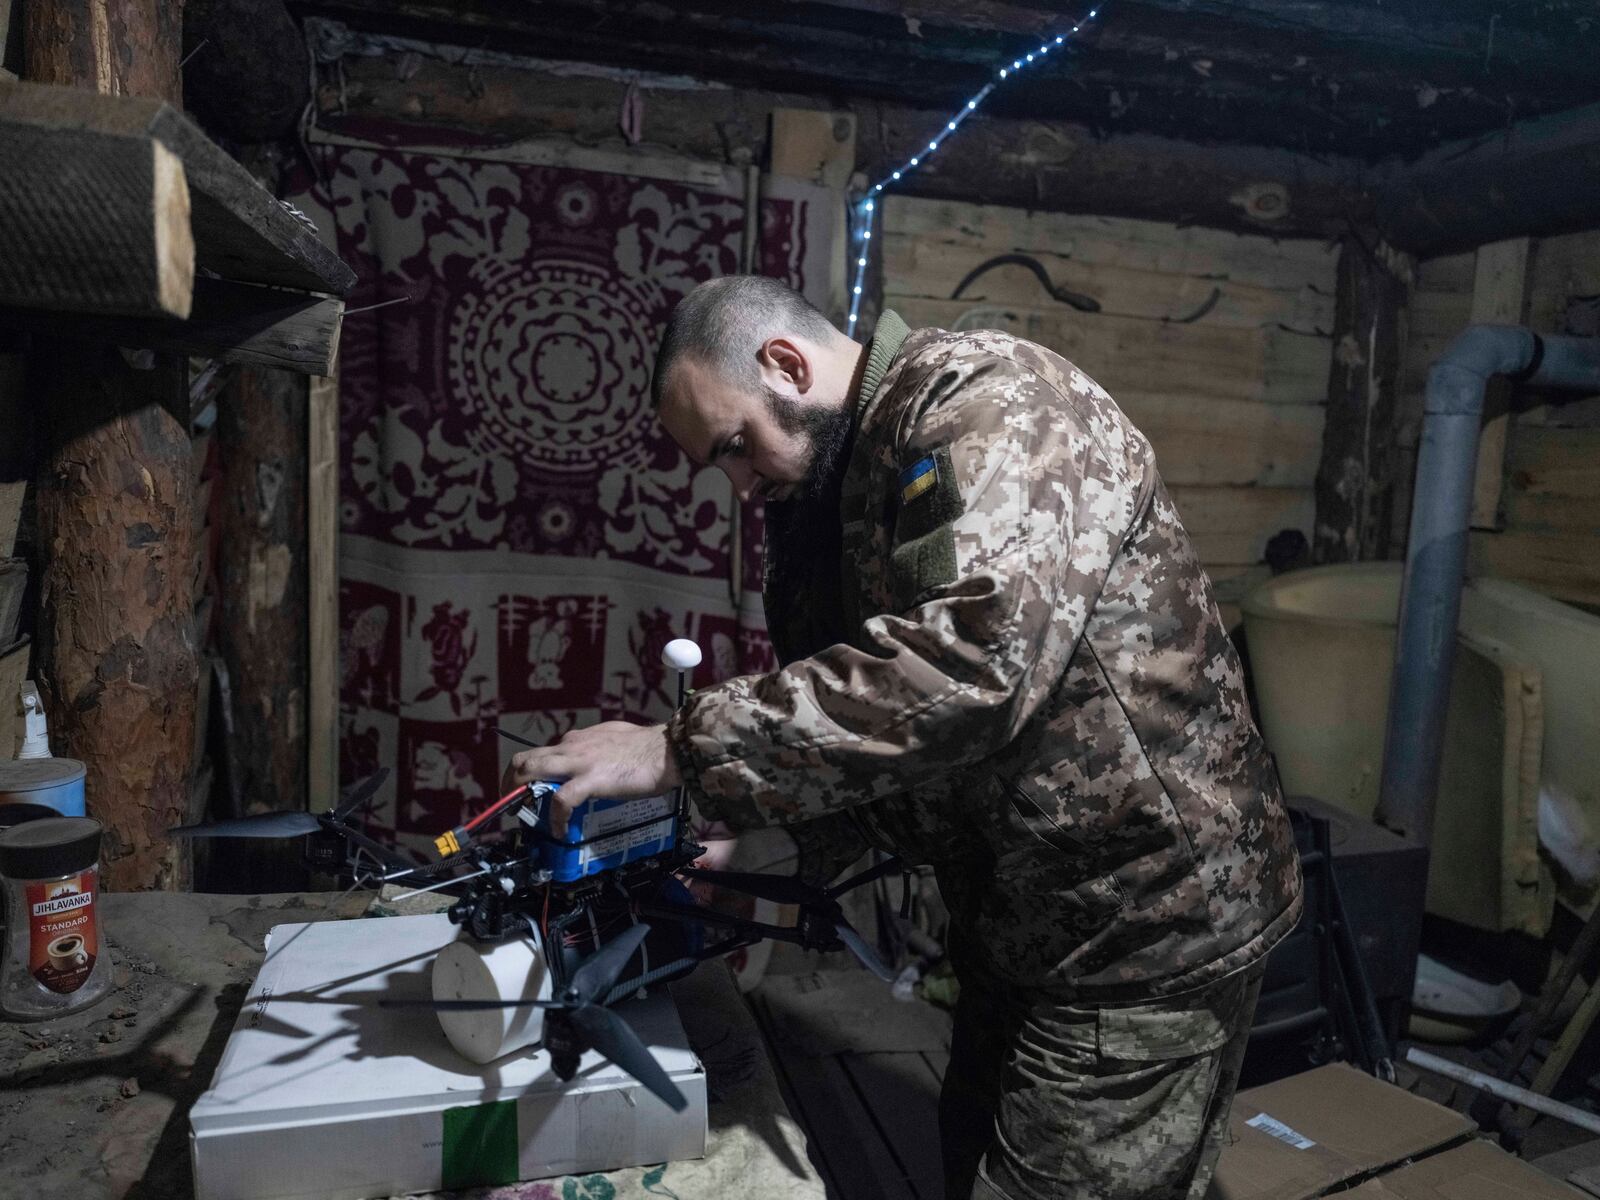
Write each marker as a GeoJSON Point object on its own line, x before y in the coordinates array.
{"type": "Point", "coordinates": [1364, 78]}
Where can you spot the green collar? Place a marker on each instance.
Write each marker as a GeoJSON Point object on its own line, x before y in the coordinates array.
{"type": "Point", "coordinates": [887, 339]}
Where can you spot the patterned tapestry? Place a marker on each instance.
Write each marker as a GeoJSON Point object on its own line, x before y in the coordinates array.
{"type": "Point", "coordinates": [519, 537]}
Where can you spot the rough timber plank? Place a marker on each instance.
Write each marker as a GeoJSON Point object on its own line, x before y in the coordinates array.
{"type": "Point", "coordinates": [234, 322]}
{"type": "Point", "coordinates": [322, 521]}
{"type": "Point", "coordinates": [93, 223]}
{"type": "Point", "coordinates": [1130, 354]}
{"type": "Point", "coordinates": [1562, 565]}
{"type": "Point", "coordinates": [1499, 297]}
{"type": "Point", "coordinates": [902, 1094]}
{"type": "Point", "coordinates": [1232, 524]}
{"type": "Point", "coordinates": [932, 269]}
{"type": "Point", "coordinates": [1139, 244]}
{"type": "Point", "coordinates": [845, 1142]}
{"type": "Point", "coordinates": [240, 231]}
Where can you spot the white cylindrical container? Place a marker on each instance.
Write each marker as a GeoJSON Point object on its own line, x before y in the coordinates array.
{"type": "Point", "coordinates": [467, 969]}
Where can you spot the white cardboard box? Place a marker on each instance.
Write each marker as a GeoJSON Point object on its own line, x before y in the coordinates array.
{"type": "Point", "coordinates": [320, 1093]}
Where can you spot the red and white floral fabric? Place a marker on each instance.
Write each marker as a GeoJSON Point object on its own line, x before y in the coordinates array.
{"type": "Point", "coordinates": [519, 538]}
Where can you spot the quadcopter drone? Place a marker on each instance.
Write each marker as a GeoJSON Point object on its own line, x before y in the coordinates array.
{"type": "Point", "coordinates": [607, 895]}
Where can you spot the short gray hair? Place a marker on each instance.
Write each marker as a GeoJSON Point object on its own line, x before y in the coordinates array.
{"type": "Point", "coordinates": [722, 321]}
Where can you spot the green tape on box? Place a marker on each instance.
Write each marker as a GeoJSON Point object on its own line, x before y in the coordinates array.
{"type": "Point", "coordinates": [480, 1145]}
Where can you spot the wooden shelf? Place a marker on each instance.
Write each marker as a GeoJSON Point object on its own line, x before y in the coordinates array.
{"type": "Point", "coordinates": [241, 232]}
{"type": "Point", "coordinates": [234, 322]}
{"type": "Point", "coordinates": [121, 222]}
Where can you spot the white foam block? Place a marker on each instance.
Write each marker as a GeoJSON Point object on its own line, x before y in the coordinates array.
{"type": "Point", "coordinates": [322, 1093]}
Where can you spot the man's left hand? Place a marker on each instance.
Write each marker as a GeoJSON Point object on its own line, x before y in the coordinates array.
{"type": "Point", "coordinates": [615, 759]}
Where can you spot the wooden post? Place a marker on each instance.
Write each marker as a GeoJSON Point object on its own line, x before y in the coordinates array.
{"type": "Point", "coordinates": [1356, 476]}
{"type": "Point", "coordinates": [117, 660]}
{"type": "Point", "coordinates": [322, 535]}
{"type": "Point", "coordinates": [261, 588]}
{"type": "Point", "coordinates": [1499, 297]}
{"type": "Point", "coordinates": [117, 653]}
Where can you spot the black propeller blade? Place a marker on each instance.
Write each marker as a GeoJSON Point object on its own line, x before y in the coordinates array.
{"type": "Point", "coordinates": [858, 946]}
{"type": "Point", "coordinates": [601, 1029]}
{"type": "Point", "coordinates": [789, 889]}
{"type": "Point", "coordinates": [595, 975]}
{"type": "Point", "coordinates": [611, 1036]}
{"type": "Point", "coordinates": [780, 889]}
{"type": "Point", "coordinates": [262, 825]}
{"type": "Point", "coordinates": [471, 1005]}
{"type": "Point", "coordinates": [357, 794]}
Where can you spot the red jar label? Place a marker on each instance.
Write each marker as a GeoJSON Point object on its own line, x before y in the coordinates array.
{"type": "Point", "coordinates": [62, 943]}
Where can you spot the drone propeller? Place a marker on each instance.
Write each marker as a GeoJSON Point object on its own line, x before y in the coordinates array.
{"type": "Point", "coordinates": [287, 823]}
{"type": "Point", "coordinates": [598, 1027]}
{"type": "Point", "coordinates": [358, 794]}
{"type": "Point", "coordinates": [788, 889]}
{"type": "Point", "coordinates": [262, 825]}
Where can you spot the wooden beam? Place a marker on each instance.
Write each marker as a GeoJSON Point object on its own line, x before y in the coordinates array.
{"type": "Point", "coordinates": [1356, 476]}
{"type": "Point", "coordinates": [93, 222]}
{"type": "Point", "coordinates": [1036, 165]}
{"type": "Point", "coordinates": [117, 662]}
{"type": "Point", "coordinates": [262, 565]}
{"type": "Point", "coordinates": [819, 146]}
{"type": "Point", "coordinates": [1366, 84]}
{"type": "Point", "coordinates": [1533, 178]}
{"type": "Point", "coordinates": [322, 536]}
{"type": "Point", "coordinates": [248, 68]}
{"type": "Point", "coordinates": [1499, 297]}
{"type": "Point", "coordinates": [233, 322]}
{"type": "Point", "coordinates": [112, 47]}
{"type": "Point", "coordinates": [240, 230]}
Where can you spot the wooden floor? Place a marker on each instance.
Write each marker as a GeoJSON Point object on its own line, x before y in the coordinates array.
{"type": "Point", "coordinates": [861, 1072]}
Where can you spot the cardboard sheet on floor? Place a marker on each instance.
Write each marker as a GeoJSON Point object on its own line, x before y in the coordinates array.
{"type": "Point", "coordinates": [322, 1093]}
{"type": "Point", "coordinates": [1317, 1133]}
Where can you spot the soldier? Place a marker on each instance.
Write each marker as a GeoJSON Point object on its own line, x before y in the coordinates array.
{"type": "Point", "coordinates": [1001, 657]}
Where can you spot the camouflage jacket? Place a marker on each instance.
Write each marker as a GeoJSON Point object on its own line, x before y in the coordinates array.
{"type": "Point", "coordinates": [1018, 674]}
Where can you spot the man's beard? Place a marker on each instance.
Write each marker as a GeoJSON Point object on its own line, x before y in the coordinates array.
{"type": "Point", "coordinates": [804, 540]}
{"type": "Point", "coordinates": [826, 433]}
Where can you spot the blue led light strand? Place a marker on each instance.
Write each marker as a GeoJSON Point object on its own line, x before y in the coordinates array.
{"type": "Point", "coordinates": [865, 212]}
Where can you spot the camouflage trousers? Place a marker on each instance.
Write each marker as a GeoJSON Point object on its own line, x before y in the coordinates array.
{"type": "Point", "coordinates": [1045, 1100]}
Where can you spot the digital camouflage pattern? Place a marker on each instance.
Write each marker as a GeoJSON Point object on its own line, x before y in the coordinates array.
{"type": "Point", "coordinates": [1016, 673]}
{"type": "Point", "coordinates": [1043, 1099]}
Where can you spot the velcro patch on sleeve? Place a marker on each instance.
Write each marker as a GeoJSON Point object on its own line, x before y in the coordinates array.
{"type": "Point", "coordinates": [923, 553]}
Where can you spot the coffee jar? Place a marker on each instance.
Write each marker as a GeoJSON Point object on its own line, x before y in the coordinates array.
{"type": "Point", "coordinates": [57, 960]}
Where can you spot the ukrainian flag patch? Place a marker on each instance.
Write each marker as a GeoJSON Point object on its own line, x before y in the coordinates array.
{"type": "Point", "coordinates": [918, 478]}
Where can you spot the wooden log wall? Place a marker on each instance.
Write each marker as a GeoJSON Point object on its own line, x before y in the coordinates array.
{"type": "Point", "coordinates": [117, 659]}
{"type": "Point", "coordinates": [262, 631]}
{"type": "Point", "coordinates": [1216, 344]}
{"type": "Point", "coordinates": [1549, 506]}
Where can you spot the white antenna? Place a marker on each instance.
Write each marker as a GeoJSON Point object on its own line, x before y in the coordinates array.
{"type": "Point", "coordinates": [681, 655]}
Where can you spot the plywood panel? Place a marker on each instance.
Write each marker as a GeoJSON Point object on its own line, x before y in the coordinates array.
{"type": "Point", "coordinates": [1232, 524]}
{"type": "Point", "coordinates": [1143, 245]}
{"type": "Point", "coordinates": [1553, 480]}
{"type": "Point", "coordinates": [919, 266]}
{"type": "Point", "coordinates": [1124, 354]}
{"type": "Point", "coordinates": [1563, 565]}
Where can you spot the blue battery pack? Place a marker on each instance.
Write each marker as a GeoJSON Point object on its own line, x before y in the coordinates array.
{"type": "Point", "coordinates": [603, 834]}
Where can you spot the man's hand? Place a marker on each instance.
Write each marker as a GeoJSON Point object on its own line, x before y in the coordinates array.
{"type": "Point", "coordinates": [615, 759]}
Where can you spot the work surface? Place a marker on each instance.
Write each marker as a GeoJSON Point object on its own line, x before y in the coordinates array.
{"type": "Point", "coordinates": [96, 1104]}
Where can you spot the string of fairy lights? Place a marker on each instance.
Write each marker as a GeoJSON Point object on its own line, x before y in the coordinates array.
{"type": "Point", "coordinates": [866, 210]}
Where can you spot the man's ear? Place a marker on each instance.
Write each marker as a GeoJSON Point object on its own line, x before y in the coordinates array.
{"type": "Point", "coordinates": [784, 357]}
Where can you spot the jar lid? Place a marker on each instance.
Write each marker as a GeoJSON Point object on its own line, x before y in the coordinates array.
{"type": "Point", "coordinates": [36, 774]}
{"type": "Point", "coordinates": [49, 848]}
{"type": "Point", "coordinates": [17, 811]}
